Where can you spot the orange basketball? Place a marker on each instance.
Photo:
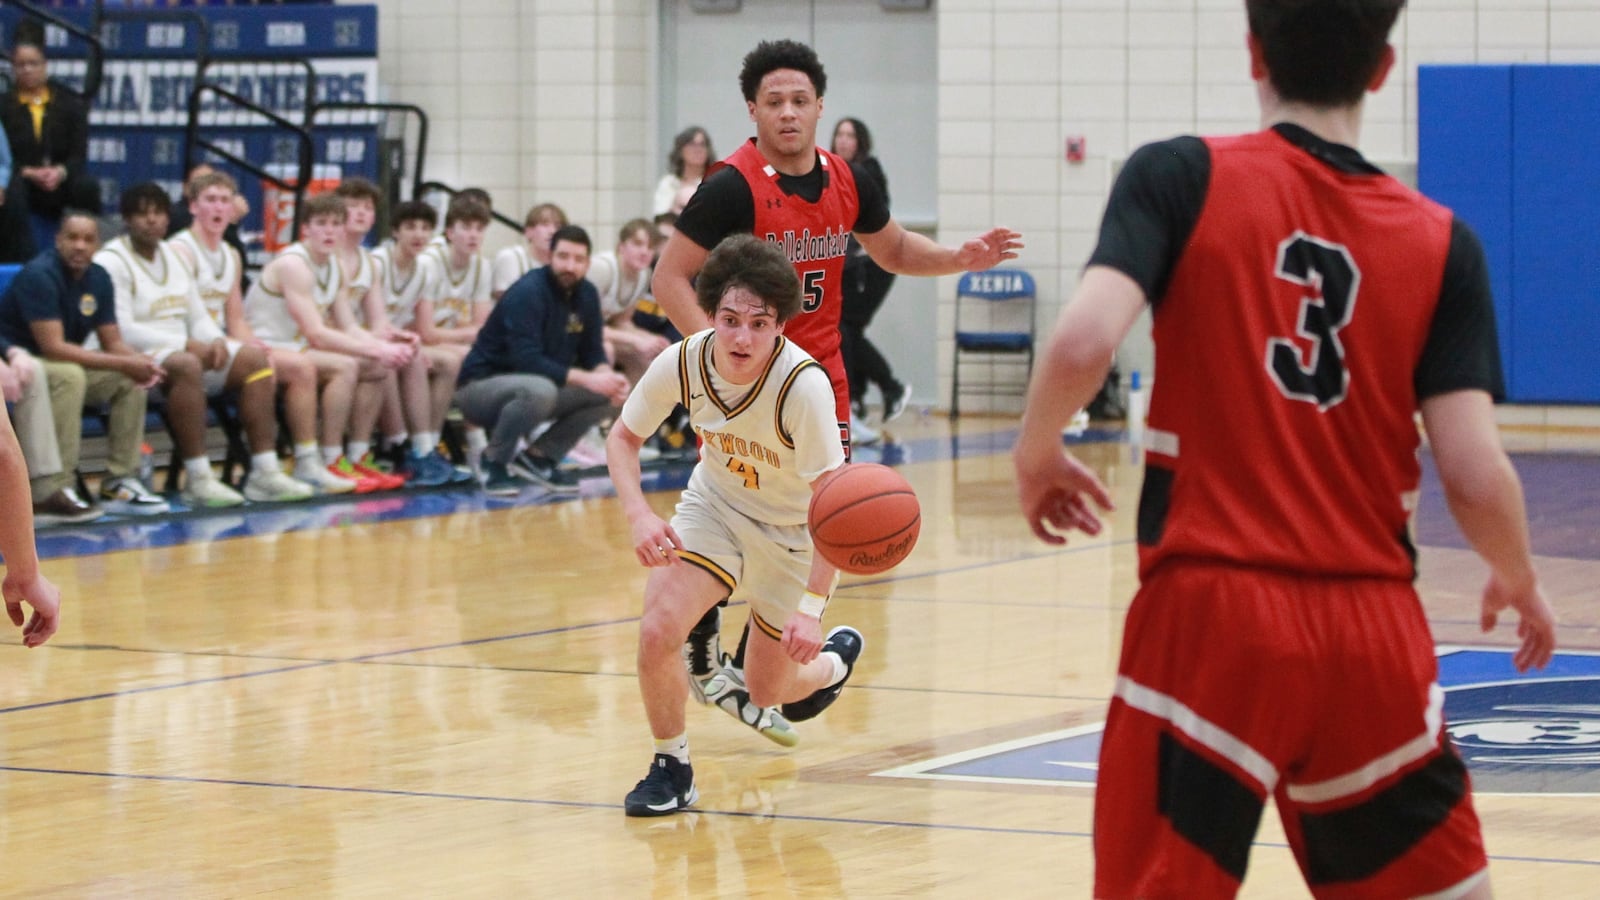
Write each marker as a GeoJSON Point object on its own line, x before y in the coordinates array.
{"type": "Point", "coordinates": [865, 519]}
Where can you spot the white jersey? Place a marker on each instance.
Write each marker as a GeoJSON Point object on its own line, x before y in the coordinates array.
{"type": "Point", "coordinates": [510, 264]}
{"type": "Point", "coordinates": [215, 274]}
{"type": "Point", "coordinates": [616, 295]}
{"type": "Point", "coordinates": [762, 444]}
{"type": "Point", "coordinates": [268, 310]}
{"type": "Point", "coordinates": [459, 290]}
{"type": "Point", "coordinates": [401, 292]}
{"type": "Point", "coordinates": [358, 282]}
{"type": "Point", "coordinates": [158, 309]}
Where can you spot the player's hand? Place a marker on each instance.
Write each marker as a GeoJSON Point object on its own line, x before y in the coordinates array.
{"type": "Point", "coordinates": [654, 542]}
{"type": "Point", "coordinates": [989, 250]}
{"type": "Point", "coordinates": [25, 366]}
{"type": "Point", "coordinates": [142, 370]}
{"type": "Point", "coordinates": [1056, 490]}
{"type": "Point", "coordinates": [1536, 625]}
{"type": "Point", "coordinates": [393, 356]}
{"type": "Point", "coordinates": [43, 597]}
{"type": "Point", "coordinates": [216, 358]}
{"type": "Point", "coordinates": [611, 385]}
{"type": "Point", "coordinates": [802, 638]}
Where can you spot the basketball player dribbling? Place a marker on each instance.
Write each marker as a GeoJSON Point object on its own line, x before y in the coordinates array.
{"type": "Point", "coordinates": [765, 412]}
{"type": "Point", "coordinates": [782, 187]}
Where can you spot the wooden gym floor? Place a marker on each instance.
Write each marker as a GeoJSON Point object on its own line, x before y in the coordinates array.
{"type": "Point", "coordinates": [432, 695]}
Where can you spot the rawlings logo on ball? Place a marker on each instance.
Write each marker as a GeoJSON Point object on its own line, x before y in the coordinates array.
{"type": "Point", "coordinates": [865, 519]}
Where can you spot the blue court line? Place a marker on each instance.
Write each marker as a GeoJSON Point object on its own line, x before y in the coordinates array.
{"type": "Point", "coordinates": [579, 804]}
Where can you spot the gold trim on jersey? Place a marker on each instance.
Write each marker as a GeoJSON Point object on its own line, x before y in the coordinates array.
{"type": "Point", "coordinates": [391, 269]}
{"type": "Point", "coordinates": [755, 390]}
{"type": "Point", "coordinates": [765, 627]}
{"type": "Point", "coordinates": [783, 394]}
{"type": "Point", "coordinates": [710, 568]}
{"type": "Point", "coordinates": [473, 269]}
{"type": "Point", "coordinates": [683, 374]}
{"type": "Point", "coordinates": [216, 261]}
{"type": "Point", "coordinates": [123, 248]}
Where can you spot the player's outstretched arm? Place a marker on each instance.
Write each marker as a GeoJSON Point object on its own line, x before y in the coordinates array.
{"type": "Point", "coordinates": [1059, 493]}
{"type": "Point", "coordinates": [1485, 497]}
{"type": "Point", "coordinates": [908, 253]}
{"type": "Point", "coordinates": [672, 285]}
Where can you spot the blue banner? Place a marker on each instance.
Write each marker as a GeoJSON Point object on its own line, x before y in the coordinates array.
{"type": "Point", "coordinates": [236, 31]}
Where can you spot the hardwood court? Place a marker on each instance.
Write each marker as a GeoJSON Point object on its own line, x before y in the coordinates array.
{"type": "Point", "coordinates": [329, 702]}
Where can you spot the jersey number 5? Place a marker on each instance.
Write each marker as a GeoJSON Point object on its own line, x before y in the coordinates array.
{"type": "Point", "coordinates": [811, 290]}
{"type": "Point", "coordinates": [1310, 366]}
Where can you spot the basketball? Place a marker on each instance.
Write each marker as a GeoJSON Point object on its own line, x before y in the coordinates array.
{"type": "Point", "coordinates": [865, 519]}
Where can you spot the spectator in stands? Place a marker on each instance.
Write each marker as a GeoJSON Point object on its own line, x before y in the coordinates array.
{"type": "Point", "coordinates": [56, 304]}
{"type": "Point", "coordinates": [540, 358]}
{"type": "Point", "coordinates": [410, 428]}
{"type": "Point", "coordinates": [622, 278]}
{"type": "Point", "coordinates": [299, 305]}
{"type": "Point", "coordinates": [48, 129]}
{"type": "Point", "coordinates": [216, 269]}
{"type": "Point", "coordinates": [160, 314]}
{"type": "Point", "coordinates": [517, 260]}
{"type": "Point", "coordinates": [691, 153]}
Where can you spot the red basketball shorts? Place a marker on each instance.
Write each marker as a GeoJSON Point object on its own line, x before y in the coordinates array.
{"type": "Point", "coordinates": [1236, 685]}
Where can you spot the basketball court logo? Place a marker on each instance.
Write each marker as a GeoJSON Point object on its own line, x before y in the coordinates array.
{"type": "Point", "coordinates": [1518, 734]}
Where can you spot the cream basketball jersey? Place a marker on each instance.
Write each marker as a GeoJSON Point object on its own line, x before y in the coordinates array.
{"type": "Point", "coordinates": [157, 308]}
{"type": "Point", "coordinates": [458, 289]}
{"type": "Point", "coordinates": [215, 274]}
{"type": "Point", "coordinates": [762, 444]}
{"type": "Point", "coordinates": [358, 281]}
{"type": "Point", "coordinates": [268, 310]}
{"type": "Point", "coordinates": [401, 291]}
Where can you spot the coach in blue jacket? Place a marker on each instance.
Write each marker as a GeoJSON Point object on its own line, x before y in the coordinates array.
{"type": "Point", "coordinates": [540, 358]}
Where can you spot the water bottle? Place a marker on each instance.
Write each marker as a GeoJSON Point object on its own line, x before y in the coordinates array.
{"type": "Point", "coordinates": [147, 464]}
{"type": "Point", "coordinates": [1135, 411]}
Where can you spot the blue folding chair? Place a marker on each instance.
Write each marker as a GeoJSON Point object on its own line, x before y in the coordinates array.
{"type": "Point", "coordinates": [994, 322]}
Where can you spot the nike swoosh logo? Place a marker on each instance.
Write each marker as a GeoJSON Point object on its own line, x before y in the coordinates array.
{"type": "Point", "coordinates": [696, 396]}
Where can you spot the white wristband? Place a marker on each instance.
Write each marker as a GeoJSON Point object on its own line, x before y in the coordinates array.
{"type": "Point", "coordinates": [812, 604]}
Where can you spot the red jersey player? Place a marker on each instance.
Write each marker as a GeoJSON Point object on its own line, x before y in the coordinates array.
{"type": "Point", "coordinates": [783, 188]}
{"type": "Point", "coordinates": [1306, 305]}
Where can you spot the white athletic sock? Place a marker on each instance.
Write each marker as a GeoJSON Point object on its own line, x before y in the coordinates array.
{"type": "Point", "coordinates": [421, 446]}
{"type": "Point", "coordinates": [477, 439]}
{"type": "Point", "coordinates": [840, 670]}
{"type": "Point", "coordinates": [391, 441]}
{"type": "Point", "coordinates": [359, 450]}
{"type": "Point", "coordinates": [266, 462]}
{"type": "Point", "coordinates": [330, 455]}
{"type": "Point", "coordinates": [676, 747]}
{"type": "Point", "coordinates": [197, 469]}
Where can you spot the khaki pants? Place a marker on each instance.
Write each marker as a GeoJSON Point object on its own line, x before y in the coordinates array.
{"type": "Point", "coordinates": [71, 388]}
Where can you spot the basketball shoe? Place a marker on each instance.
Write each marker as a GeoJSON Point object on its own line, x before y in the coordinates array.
{"type": "Point", "coordinates": [726, 690]}
{"type": "Point", "coordinates": [846, 643]}
{"type": "Point", "coordinates": [669, 788]}
{"type": "Point", "coordinates": [702, 653]}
